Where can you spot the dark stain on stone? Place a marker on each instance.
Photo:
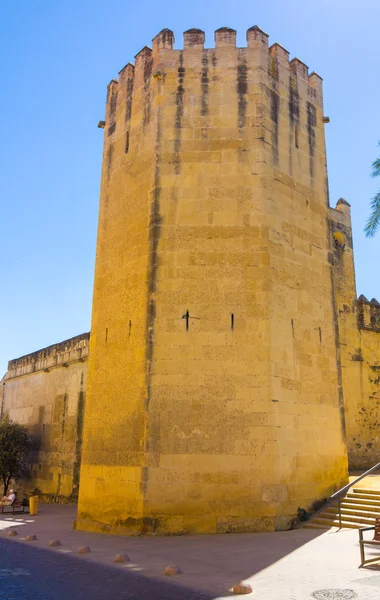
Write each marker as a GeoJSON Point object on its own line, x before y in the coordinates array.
{"type": "Point", "coordinates": [127, 142]}
{"type": "Point", "coordinates": [58, 484]}
{"type": "Point", "coordinates": [274, 115]}
{"type": "Point", "coordinates": [337, 341]}
{"type": "Point", "coordinates": [146, 91]}
{"type": "Point", "coordinates": [311, 123]}
{"type": "Point", "coordinates": [143, 525]}
{"type": "Point", "coordinates": [78, 445]}
{"type": "Point", "coordinates": [204, 85]}
{"type": "Point", "coordinates": [109, 160]}
{"type": "Point", "coordinates": [155, 221]}
{"type": "Point", "coordinates": [128, 111]}
{"type": "Point", "coordinates": [64, 412]}
{"type": "Point", "coordinates": [294, 100]}
{"type": "Point", "coordinates": [214, 60]}
{"type": "Point", "coordinates": [113, 103]}
{"type": "Point", "coordinates": [273, 68]}
{"type": "Point", "coordinates": [294, 113]}
{"type": "Point", "coordinates": [179, 114]}
{"type": "Point", "coordinates": [242, 89]}
{"type": "Point", "coordinates": [111, 129]}
{"type": "Point", "coordinates": [148, 65]}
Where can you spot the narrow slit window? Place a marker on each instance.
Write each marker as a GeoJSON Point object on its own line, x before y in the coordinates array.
{"type": "Point", "coordinates": [296, 136]}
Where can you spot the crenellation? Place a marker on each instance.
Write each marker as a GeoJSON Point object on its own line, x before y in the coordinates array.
{"type": "Point", "coordinates": [67, 351]}
{"type": "Point", "coordinates": [256, 37]}
{"type": "Point", "coordinates": [343, 206]}
{"type": "Point", "coordinates": [127, 71]}
{"type": "Point", "coordinates": [143, 66]}
{"type": "Point", "coordinates": [194, 38]}
{"type": "Point", "coordinates": [368, 314]}
{"type": "Point", "coordinates": [316, 86]}
{"type": "Point", "coordinates": [225, 38]}
{"type": "Point", "coordinates": [279, 53]}
{"type": "Point", "coordinates": [161, 44]}
{"type": "Point", "coordinates": [299, 68]}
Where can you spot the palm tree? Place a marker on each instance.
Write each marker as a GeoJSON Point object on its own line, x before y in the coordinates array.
{"type": "Point", "coordinates": [373, 222]}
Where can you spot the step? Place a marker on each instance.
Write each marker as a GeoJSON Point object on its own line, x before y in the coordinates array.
{"type": "Point", "coordinates": [350, 503]}
{"type": "Point", "coordinates": [363, 495]}
{"type": "Point", "coordinates": [335, 523]}
{"type": "Point", "coordinates": [363, 498]}
{"type": "Point", "coordinates": [360, 521]}
{"type": "Point", "coordinates": [366, 491]}
{"type": "Point", "coordinates": [355, 513]}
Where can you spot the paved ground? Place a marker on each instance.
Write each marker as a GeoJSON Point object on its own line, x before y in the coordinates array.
{"type": "Point", "coordinates": [281, 566]}
{"type": "Point", "coordinates": [371, 482]}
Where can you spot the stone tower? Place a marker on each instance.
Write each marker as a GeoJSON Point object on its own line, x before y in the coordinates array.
{"type": "Point", "coordinates": [214, 398]}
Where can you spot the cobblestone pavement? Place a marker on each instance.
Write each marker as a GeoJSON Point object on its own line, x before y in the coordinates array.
{"type": "Point", "coordinates": [296, 565]}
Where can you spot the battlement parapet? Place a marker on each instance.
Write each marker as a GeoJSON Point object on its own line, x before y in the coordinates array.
{"type": "Point", "coordinates": [299, 68]}
{"type": "Point", "coordinates": [341, 214]}
{"type": "Point", "coordinates": [161, 57]}
{"type": "Point", "coordinates": [225, 38]}
{"type": "Point", "coordinates": [368, 313]}
{"type": "Point", "coordinates": [61, 354]}
{"type": "Point", "coordinates": [194, 38]}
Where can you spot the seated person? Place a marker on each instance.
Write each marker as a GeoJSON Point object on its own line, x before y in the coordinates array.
{"type": "Point", "coordinates": [8, 501]}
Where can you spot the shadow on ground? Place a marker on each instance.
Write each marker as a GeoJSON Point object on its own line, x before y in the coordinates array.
{"type": "Point", "coordinates": [211, 564]}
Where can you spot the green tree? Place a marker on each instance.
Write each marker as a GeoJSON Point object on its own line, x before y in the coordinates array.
{"type": "Point", "coordinates": [373, 222]}
{"type": "Point", "coordinates": [15, 445]}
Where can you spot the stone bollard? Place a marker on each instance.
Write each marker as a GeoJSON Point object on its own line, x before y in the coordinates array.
{"type": "Point", "coordinates": [242, 588]}
{"type": "Point", "coordinates": [12, 533]}
{"type": "Point", "coordinates": [121, 558]}
{"type": "Point", "coordinates": [30, 538]}
{"type": "Point", "coordinates": [172, 570]}
{"type": "Point", "coordinates": [54, 543]}
{"type": "Point", "coordinates": [84, 550]}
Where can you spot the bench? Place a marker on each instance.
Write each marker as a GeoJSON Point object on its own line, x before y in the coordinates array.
{"type": "Point", "coordinates": [17, 506]}
{"type": "Point", "coordinates": [374, 542]}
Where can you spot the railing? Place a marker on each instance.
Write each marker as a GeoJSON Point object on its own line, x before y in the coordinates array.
{"type": "Point", "coordinates": [344, 489]}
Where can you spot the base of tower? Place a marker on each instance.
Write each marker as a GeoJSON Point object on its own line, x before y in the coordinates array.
{"type": "Point", "coordinates": [184, 525]}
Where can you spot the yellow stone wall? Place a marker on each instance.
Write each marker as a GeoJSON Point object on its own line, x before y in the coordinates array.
{"type": "Point", "coordinates": [214, 397]}
{"type": "Point", "coordinates": [45, 391]}
{"type": "Point", "coordinates": [359, 337]}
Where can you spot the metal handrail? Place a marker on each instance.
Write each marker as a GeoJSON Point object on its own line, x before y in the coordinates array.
{"type": "Point", "coordinates": [344, 489]}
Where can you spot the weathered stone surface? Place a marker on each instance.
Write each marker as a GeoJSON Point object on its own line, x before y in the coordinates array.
{"type": "Point", "coordinates": [214, 326]}
{"type": "Point", "coordinates": [45, 391]}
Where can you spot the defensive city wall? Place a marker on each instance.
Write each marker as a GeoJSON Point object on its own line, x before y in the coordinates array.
{"type": "Point", "coordinates": [45, 391]}
{"type": "Point", "coordinates": [232, 372]}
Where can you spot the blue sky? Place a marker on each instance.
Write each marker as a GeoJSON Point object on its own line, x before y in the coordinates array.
{"type": "Point", "coordinates": [57, 58]}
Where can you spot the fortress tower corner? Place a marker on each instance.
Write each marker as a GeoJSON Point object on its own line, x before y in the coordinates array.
{"type": "Point", "coordinates": [214, 398]}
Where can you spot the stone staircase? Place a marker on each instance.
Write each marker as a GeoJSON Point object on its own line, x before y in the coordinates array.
{"type": "Point", "coordinates": [358, 509]}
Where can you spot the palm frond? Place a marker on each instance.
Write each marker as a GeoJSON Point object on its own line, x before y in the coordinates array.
{"type": "Point", "coordinates": [376, 167]}
{"type": "Point", "coordinates": [373, 222]}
